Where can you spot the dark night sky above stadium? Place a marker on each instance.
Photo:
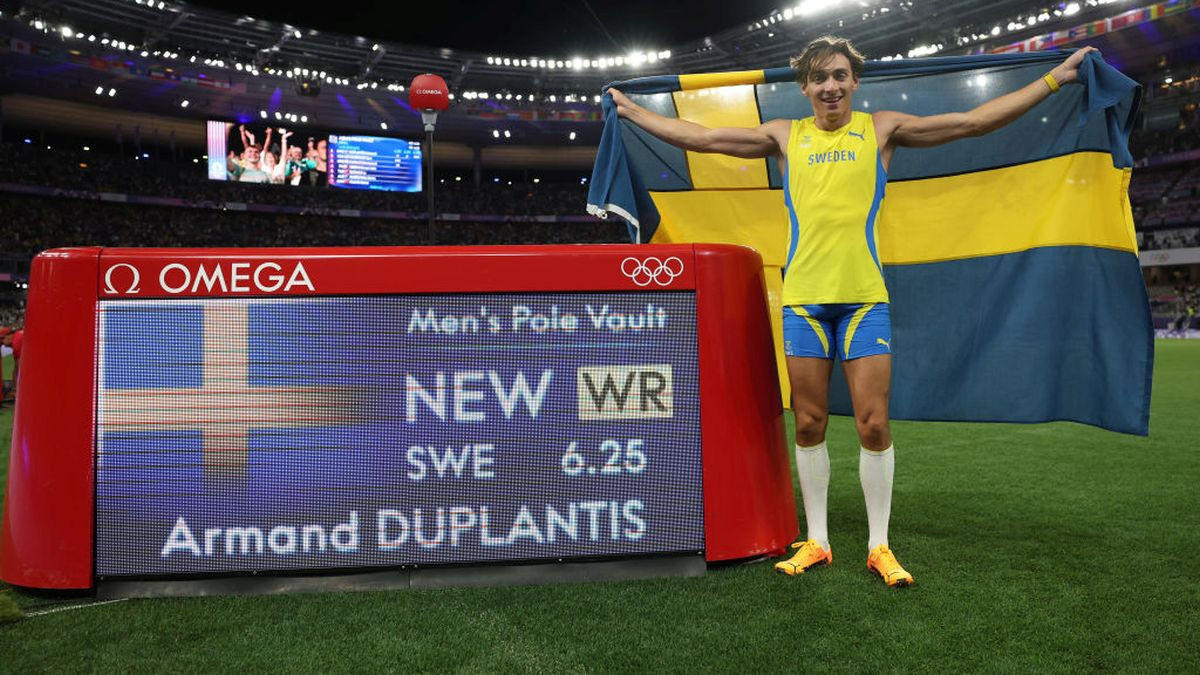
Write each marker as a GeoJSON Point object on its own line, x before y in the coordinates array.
{"type": "Point", "coordinates": [548, 27]}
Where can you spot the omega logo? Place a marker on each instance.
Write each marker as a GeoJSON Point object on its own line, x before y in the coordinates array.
{"type": "Point", "coordinates": [133, 288]}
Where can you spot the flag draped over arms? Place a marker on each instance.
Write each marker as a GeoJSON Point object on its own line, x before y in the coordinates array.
{"type": "Point", "coordinates": [1010, 258]}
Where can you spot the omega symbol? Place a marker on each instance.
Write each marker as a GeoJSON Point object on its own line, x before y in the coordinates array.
{"type": "Point", "coordinates": [133, 289]}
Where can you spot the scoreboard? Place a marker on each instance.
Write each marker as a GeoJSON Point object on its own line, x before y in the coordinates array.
{"type": "Point", "coordinates": [268, 411]}
{"type": "Point", "coordinates": [374, 163]}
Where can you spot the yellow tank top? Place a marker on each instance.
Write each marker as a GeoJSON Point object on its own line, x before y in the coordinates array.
{"type": "Point", "coordinates": [833, 187]}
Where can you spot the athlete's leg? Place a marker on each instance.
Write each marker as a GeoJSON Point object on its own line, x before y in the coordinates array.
{"type": "Point", "coordinates": [809, 380]}
{"type": "Point", "coordinates": [869, 379]}
{"type": "Point", "coordinates": [806, 342]}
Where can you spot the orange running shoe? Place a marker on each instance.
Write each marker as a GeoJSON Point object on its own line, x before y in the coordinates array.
{"type": "Point", "coordinates": [882, 562]}
{"type": "Point", "coordinates": [810, 554]}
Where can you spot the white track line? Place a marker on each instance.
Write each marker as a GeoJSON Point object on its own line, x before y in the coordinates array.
{"type": "Point", "coordinates": [63, 609]}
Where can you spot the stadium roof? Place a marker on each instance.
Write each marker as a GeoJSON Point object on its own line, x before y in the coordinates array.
{"type": "Point", "coordinates": [536, 26]}
{"type": "Point", "coordinates": [248, 66]}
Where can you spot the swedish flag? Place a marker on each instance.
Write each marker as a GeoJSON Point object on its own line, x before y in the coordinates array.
{"type": "Point", "coordinates": [1010, 259]}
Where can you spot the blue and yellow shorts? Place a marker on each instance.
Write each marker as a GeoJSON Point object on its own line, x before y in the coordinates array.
{"type": "Point", "coordinates": [850, 331]}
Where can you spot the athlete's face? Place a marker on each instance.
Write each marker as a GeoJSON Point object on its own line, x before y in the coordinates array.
{"type": "Point", "coordinates": [829, 87]}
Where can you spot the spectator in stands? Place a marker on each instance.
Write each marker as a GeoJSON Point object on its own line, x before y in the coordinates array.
{"type": "Point", "coordinates": [13, 339]}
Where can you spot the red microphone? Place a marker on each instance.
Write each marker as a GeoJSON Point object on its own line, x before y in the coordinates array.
{"type": "Point", "coordinates": [429, 94]}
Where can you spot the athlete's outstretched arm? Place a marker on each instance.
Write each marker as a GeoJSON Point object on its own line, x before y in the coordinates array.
{"type": "Point", "coordinates": [920, 132]}
{"type": "Point", "coordinates": [761, 141]}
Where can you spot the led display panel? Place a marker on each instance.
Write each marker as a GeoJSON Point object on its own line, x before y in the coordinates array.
{"type": "Point", "coordinates": [317, 433]}
{"type": "Point", "coordinates": [374, 163]}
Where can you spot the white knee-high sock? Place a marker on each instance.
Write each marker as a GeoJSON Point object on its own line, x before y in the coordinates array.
{"type": "Point", "coordinates": [875, 470]}
{"type": "Point", "coordinates": [812, 467]}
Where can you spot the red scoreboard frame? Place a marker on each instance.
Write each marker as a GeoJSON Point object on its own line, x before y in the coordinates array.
{"type": "Point", "coordinates": [48, 530]}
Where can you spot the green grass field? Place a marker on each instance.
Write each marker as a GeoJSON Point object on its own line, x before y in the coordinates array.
{"type": "Point", "coordinates": [1052, 547]}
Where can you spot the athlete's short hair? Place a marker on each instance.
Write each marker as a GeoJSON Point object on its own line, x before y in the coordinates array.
{"type": "Point", "coordinates": [819, 50]}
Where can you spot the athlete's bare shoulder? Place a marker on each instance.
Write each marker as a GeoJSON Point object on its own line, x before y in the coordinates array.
{"type": "Point", "coordinates": [778, 130]}
{"type": "Point", "coordinates": [886, 122]}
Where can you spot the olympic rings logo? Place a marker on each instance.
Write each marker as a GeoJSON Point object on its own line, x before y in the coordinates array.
{"type": "Point", "coordinates": [652, 270]}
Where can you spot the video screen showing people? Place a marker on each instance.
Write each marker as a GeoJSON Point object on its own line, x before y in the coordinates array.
{"type": "Point", "coordinates": [267, 154]}
{"type": "Point", "coordinates": [281, 155]}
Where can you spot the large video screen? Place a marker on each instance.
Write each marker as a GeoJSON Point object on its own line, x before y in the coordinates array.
{"type": "Point", "coordinates": [242, 434]}
{"type": "Point", "coordinates": [284, 155]}
{"type": "Point", "coordinates": [374, 163]}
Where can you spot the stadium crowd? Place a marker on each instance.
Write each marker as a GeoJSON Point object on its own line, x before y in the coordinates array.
{"type": "Point", "coordinates": [72, 168]}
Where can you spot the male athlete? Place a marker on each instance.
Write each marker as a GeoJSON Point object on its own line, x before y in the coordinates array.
{"type": "Point", "coordinates": [835, 167]}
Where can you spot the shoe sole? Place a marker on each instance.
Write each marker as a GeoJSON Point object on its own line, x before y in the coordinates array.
{"type": "Point", "coordinates": [903, 583]}
{"type": "Point", "coordinates": [822, 563]}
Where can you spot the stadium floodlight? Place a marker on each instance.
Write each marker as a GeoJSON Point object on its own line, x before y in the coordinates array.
{"type": "Point", "coordinates": [810, 7]}
{"type": "Point", "coordinates": [91, 38]}
{"type": "Point", "coordinates": [507, 61]}
{"type": "Point", "coordinates": [86, 148]}
{"type": "Point", "coordinates": [38, 24]}
{"type": "Point", "coordinates": [537, 180]}
{"type": "Point", "coordinates": [99, 90]}
{"type": "Point", "coordinates": [104, 41]}
{"type": "Point", "coordinates": [112, 92]}
{"type": "Point", "coordinates": [144, 53]}
{"type": "Point", "coordinates": [571, 136]}
{"type": "Point", "coordinates": [507, 133]}
{"type": "Point", "coordinates": [184, 103]}
{"type": "Point", "coordinates": [296, 34]}
{"type": "Point", "coordinates": [304, 119]}
{"type": "Point", "coordinates": [1071, 8]}
{"type": "Point", "coordinates": [278, 116]}
{"type": "Point", "coordinates": [553, 98]}
{"type": "Point", "coordinates": [262, 114]}
{"type": "Point", "coordinates": [495, 133]}
{"type": "Point", "coordinates": [383, 125]}
{"type": "Point", "coordinates": [67, 32]}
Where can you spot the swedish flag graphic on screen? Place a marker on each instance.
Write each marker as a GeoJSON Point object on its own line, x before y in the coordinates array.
{"type": "Point", "coordinates": [1010, 259]}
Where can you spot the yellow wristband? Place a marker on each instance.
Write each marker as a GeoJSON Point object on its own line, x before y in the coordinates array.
{"type": "Point", "coordinates": [1051, 82]}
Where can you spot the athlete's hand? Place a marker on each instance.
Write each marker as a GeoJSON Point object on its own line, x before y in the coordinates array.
{"type": "Point", "coordinates": [1068, 71]}
{"type": "Point", "coordinates": [624, 105]}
